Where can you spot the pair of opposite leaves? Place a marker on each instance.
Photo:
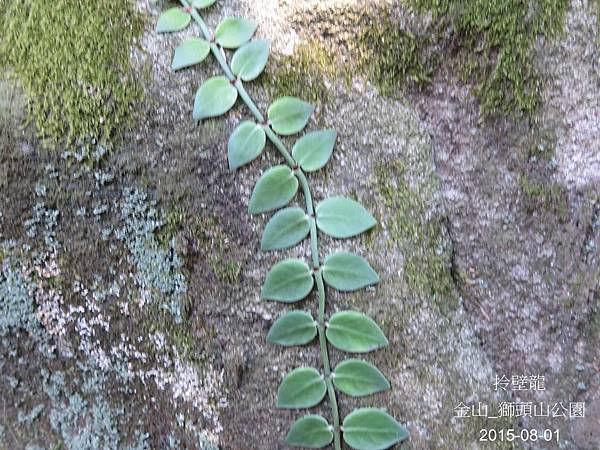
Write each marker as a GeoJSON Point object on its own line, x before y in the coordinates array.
{"type": "Point", "coordinates": [231, 33]}
{"type": "Point", "coordinates": [338, 217]}
{"type": "Point", "coordinates": [313, 431]}
{"type": "Point", "coordinates": [216, 96]}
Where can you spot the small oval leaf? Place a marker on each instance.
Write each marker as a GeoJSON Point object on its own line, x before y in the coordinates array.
{"type": "Point", "coordinates": [245, 144]}
{"type": "Point", "coordinates": [274, 189]}
{"type": "Point", "coordinates": [293, 328]}
{"type": "Point", "coordinates": [310, 432]}
{"type": "Point", "coordinates": [302, 388]}
{"type": "Point", "coordinates": [288, 281]}
{"type": "Point", "coordinates": [351, 331]}
{"type": "Point", "coordinates": [285, 229]}
{"type": "Point", "coordinates": [216, 96]}
{"type": "Point", "coordinates": [348, 272]}
{"type": "Point", "coordinates": [372, 429]}
{"type": "Point", "coordinates": [356, 378]}
{"type": "Point", "coordinates": [249, 61]}
{"type": "Point", "coordinates": [200, 4]}
{"type": "Point", "coordinates": [313, 150]}
{"type": "Point", "coordinates": [173, 19]}
{"type": "Point", "coordinates": [191, 51]}
{"type": "Point", "coordinates": [289, 115]}
{"type": "Point", "coordinates": [234, 32]}
{"type": "Point", "coordinates": [342, 217]}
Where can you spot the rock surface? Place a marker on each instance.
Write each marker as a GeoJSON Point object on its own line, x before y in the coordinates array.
{"type": "Point", "coordinates": [130, 314]}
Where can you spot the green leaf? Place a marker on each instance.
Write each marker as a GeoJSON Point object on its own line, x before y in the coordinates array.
{"type": "Point", "coordinates": [302, 388]}
{"type": "Point", "coordinates": [288, 281]}
{"type": "Point", "coordinates": [173, 19]}
{"type": "Point", "coordinates": [372, 429]}
{"type": "Point", "coordinates": [313, 150]}
{"type": "Point", "coordinates": [274, 189]}
{"type": "Point", "coordinates": [310, 431]}
{"type": "Point", "coordinates": [200, 4]}
{"type": "Point", "coordinates": [293, 328]}
{"type": "Point", "coordinates": [285, 229]}
{"type": "Point", "coordinates": [191, 51]}
{"type": "Point", "coordinates": [348, 272]}
{"type": "Point", "coordinates": [356, 378]}
{"type": "Point", "coordinates": [342, 217]}
{"type": "Point", "coordinates": [351, 331]}
{"type": "Point", "coordinates": [245, 144]}
{"type": "Point", "coordinates": [216, 96]}
{"type": "Point", "coordinates": [289, 115]}
{"type": "Point", "coordinates": [234, 32]}
{"type": "Point", "coordinates": [250, 60]}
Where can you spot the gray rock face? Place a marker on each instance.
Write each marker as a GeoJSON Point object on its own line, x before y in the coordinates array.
{"type": "Point", "coordinates": [572, 103]}
{"type": "Point", "coordinates": [130, 281]}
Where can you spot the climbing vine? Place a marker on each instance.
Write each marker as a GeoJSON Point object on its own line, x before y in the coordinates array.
{"type": "Point", "coordinates": [291, 280]}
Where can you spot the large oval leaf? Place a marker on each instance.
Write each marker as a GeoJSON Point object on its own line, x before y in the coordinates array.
{"type": "Point", "coordinates": [286, 228]}
{"type": "Point", "coordinates": [234, 32]}
{"type": "Point", "coordinates": [250, 60]}
{"type": "Point", "coordinates": [173, 19]}
{"type": "Point", "coordinates": [356, 377]}
{"type": "Point", "coordinates": [313, 150]}
{"type": "Point", "coordinates": [202, 3]}
{"type": "Point", "coordinates": [288, 281]}
{"type": "Point", "coordinates": [274, 189]}
{"type": "Point", "coordinates": [289, 115]}
{"type": "Point", "coordinates": [293, 328]}
{"type": "Point", "coordinates": [245, 144]}
{"type": "Point", "coordinates": [342, 217]}
{"type": "Point", "coordinates": [191, 51]}
{"type": "Point", "coordinates": [302, 388]}
{"type": "Point", "coordinates": [348, 272]}
{"type": "Point", "coordinates": [310, 432]}
{"type": "Point", "coordinates": [216, 96]}
{"type": "Point", "coordinates": [372, 429]}
{"type": "Point", "coordinates": [354, 332]}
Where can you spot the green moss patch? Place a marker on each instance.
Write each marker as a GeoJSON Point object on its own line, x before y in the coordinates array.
{"type": "Point", "coordinates": [386, 54]}
{"type": "Point", "coordinates": [303, 74]}
{"type": "Point", "coordinates": [208, 234]}
{"type": "Point", "coordinates": [421, 237]}
{"type": "Point", "coordinates": [212, 237]}
{"type": "Point", "coordinates": [392, 57]}
{"type": "Point", "coordinates": [495, 40]}
{"type": "Point", "coordinates": [542, 195]}
{"type": "Point", "coordinates": [487, 43]}
{"type": "Point", "coordinates": [349, 40]}
{"type": "Point", "coordinates": [72, 59]}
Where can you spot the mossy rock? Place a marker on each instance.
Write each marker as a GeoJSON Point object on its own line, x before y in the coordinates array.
{"type": "Point", "coordinates": [489, 45]}
{"type": "Point", "coordinates": [495, 42]}
{"type": "Point", "coordinates": [72, 59]}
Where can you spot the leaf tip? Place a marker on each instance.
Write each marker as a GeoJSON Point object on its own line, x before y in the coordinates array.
{"type": "Point", "coordinates": [376, 278]}
{"type": "Point", "coordinates": [384, 342]}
